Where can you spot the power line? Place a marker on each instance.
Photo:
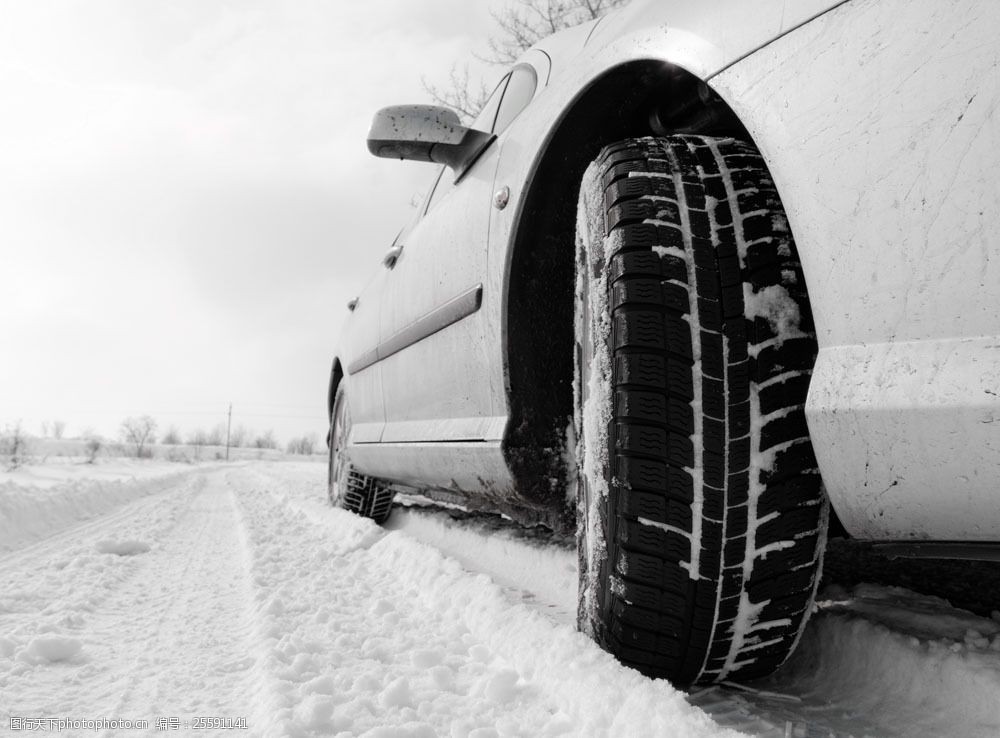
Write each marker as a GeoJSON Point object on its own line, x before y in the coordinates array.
{"type": "Point", "coordinates": [71, 411]}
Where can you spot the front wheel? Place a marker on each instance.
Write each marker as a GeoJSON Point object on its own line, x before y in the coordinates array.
{"type": "Point", "coordinates": [346, 486]}
{"type": "Point", "coordinates": [701, 513]}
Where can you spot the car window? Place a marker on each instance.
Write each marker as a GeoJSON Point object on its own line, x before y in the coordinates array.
{"type": "Point", "coordinates": [520, 90]}
{"type": "Point", "coordinates": [484, 121]}
{"type": "Point", "coordinates": [441, 185]}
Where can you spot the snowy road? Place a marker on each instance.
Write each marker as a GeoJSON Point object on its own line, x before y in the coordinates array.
{"type": "Point", "coordinates": [236, 593]}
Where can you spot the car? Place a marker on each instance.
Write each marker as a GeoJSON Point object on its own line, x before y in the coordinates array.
{"type": "Point", "coordinates": [703, 283]}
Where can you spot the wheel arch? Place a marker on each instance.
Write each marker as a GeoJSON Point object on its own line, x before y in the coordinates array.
{"type": "Point", "coordinates": [636, 98]}
{"type": "Point", "coordinates": [336, 376]}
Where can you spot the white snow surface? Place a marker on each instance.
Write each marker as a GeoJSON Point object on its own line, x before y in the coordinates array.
{"type": "Point", "coordinates": [593, 414]}
{"type": "Point", "coordinates": [37, 499]}
{"type": "Point", "coordinates": [255, 599]}
{"type": "Point", "coordinates": [544, 576]}
{"type": "Point", "coordinates": [774, 304]}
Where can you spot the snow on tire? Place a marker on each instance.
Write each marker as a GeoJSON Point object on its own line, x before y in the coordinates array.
{"type": "Point", "coordinates": [346, 486]}
{"type": "Point", "coordinates": [701, 514]}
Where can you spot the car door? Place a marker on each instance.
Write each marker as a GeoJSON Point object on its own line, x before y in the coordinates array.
{"type": "Point", "coordinates": [364, 374]}
{"type": "Point", "coordinates": [441, 346]}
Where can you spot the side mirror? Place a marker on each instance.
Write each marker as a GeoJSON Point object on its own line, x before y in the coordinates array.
{"type": "Point", "coordinates": [426, 133]}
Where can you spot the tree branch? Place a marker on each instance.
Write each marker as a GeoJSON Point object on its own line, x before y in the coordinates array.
{"type": "Point", "coordinates": [520, 25]}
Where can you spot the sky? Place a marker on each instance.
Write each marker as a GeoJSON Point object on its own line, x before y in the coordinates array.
{"type": "Point", "coordinates": [187, 203]}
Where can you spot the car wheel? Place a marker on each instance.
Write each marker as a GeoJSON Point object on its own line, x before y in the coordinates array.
{"type": "Point", "coordinates": [347, 487]}
{"type": "Point", "coordinates": [701, 513]}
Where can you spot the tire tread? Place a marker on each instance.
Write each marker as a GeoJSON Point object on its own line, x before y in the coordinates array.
{"type": "Point", "coordinates": [681, 344]}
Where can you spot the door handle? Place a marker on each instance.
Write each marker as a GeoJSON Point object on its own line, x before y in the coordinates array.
{"type": "Point", "coordinates": [391, 257]}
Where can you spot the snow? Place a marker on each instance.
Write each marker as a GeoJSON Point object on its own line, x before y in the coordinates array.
{"type": "Point", "coordinates": [49, 649]}
{"type": "Point", "coordinates": [54, 471]}
{"type": "Point", "coordinates": [503, 666]}
{"type": "Point", "coordinates": [549, 574]}
{"type": "Point", "coordinates": [911, 663]}
{"type": "Point", "coordinates": [38, 499]}
{"type": "Point", "coordinates": [594, 412]}
{"type": "Point", "coordinates": [257, 600]}
{"type": "Point", "coordinates": [122, 548]}
{"type": "Point", "coordinates": [774, 304]}
{"type": "Point", "coordinates": [662, 251]}
{"type": "Point", "coordinates": [923, 616]}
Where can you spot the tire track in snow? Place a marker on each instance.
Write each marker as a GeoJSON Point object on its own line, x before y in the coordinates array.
{"type": "Point", "coordinates": [147, 498]}
{"type": "Point", "coordinates": [163, 633]}
{"type": "Point", "coordinates": [371, 633]}
{"type": "Point", "coordinates": [255, 595]}
{"type": "Point", "coordinates": [66, 567]}
{"type": "Point", "coordinates": [195, 640]}
{"type": "Point", "coordinates": [876, 662]}
{"type": "Point", "coordinates": [535, 572]}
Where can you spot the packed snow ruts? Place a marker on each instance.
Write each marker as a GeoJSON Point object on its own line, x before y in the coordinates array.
{"type": "Point", "coordinates": [254, 596]}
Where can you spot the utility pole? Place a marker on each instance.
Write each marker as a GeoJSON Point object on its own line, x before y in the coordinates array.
{"type": "Point", "coordinates": [229, 423]}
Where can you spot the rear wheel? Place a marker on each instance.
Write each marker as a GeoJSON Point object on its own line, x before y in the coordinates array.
{"type": "Point", "coordinates": [348, 488]}
{"type": "Point", "coordinates": [702, 518]}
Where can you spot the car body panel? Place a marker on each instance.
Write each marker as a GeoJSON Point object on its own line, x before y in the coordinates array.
{"type": "Point", "coordinates": [877, 119]}
{"type": "Point", "coordinates": [879, 124]}
{"type": "Point", "coordinates": [637, 31]}
{"type": "Point", "coordinates": [474, 466]}
{"type": "Point", "coordinates": [703, 38]}
{"type": "Point", "coordinates": [367, 406]}
{"type": "Point", "coordinates": [690, 35]}
{"type": "Point", "coordinates": [449, 432]}
{"type": "Point", "coordinates": [443, 257]}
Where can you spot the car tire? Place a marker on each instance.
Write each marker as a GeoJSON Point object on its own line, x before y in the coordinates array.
{"type": "Point", "coordinates": [346, 486]}
{"type": "Point", "coordinates": [701, 513]}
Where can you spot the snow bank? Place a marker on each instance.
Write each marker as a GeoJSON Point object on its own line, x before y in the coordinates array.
{"type": "Point", "coordinates": [541, 573]}
{"type": "Point", "coordinates": [256, 599]}
{"type": "Point", "coordinates": [593, 411]}
{"type": "Point", "coordinates": [404, 641]}
{"type": "Point", "coordinates": [595, 695]}
{"type": "Point", "coordinates": [50, 649]}
{"type": "Point", "coordinates": [122, 548]}
{"type": "Point", "coordinates": [88, 630]}
{"type": "Point", "coordinates": [57, 471]}
{"type": "Point", "coordinates": [41, 500]}
{"type": "Point", "coordinates": [421, 643]}
{"type": "Point", "coordinates": [911, 664]}
{"type": "Point", "coordinates": [775, 305]}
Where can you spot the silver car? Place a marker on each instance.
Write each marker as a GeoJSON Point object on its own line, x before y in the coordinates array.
{"type": "Point", "coordinates": [701, 282]}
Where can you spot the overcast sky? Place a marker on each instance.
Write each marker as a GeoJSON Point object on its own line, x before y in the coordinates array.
{"type": "Point", "coordinates": [187, 203]}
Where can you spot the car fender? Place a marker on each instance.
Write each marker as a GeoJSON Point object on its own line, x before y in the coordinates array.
{"type": "Point", "coordinates": [878, 122]}
{"type": "Point", "coordinates": [623, 56]}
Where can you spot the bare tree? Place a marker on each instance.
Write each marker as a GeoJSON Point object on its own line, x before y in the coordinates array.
{"type": "Point", "coordinates": [93, 448]}
{"type": "Point", "coordinates": [460, 94]}
{"type": "Point", "coordinates": [520, 25]}
{"type": "Point", "coordinates": [58, 428]}
{"type": "Point", "coordinates": [197, 439]}
{"type": "Point", "coordinates": [523, 23]}
{"type": "Point", "coordinates": [239, 436]}
{"type": "Point", "coordinates": [172, 437]}
{"type": "Point", "coordinates": [265, 440]}
{"type": "Point", "coordinates": [217, 436]}
{"type": "Point", "coordinates": [14, 445]}
{"type": "Point", "coordinates": [139, 432]}
{"type": "Point", "coordinates": [304, 445]}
